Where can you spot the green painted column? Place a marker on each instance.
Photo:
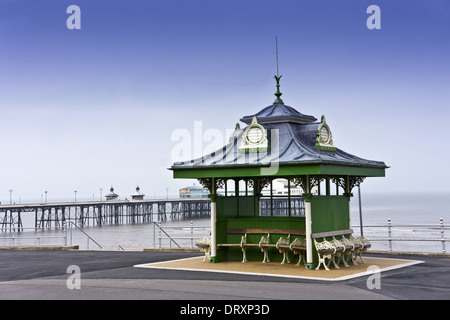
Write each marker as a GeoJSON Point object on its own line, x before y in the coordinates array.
{"type": "Point", "coordinates": [213, 197]}
{"type": "Point", "coordinates": [308, 225]}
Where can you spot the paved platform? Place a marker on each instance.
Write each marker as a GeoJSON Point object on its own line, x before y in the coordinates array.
{"type": "Point", "coordinates": [275, 269]}
{"type": "Point", "coordinates": [111, 275]}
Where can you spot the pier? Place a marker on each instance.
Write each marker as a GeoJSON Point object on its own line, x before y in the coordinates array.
{"type": "Point", "coordinates": [48, 215]}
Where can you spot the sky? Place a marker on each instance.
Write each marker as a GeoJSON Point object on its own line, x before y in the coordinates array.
{"type": "Point", "coordinates": [95, 107]}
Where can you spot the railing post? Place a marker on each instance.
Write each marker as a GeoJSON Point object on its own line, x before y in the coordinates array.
{"type": "Point", "coordinates": [360, 212]}
{"type": "Point", "coordinates": [192, 234]}
{"type": "Point", "coordinates": [389, 235]}
{"type": "Point", "coordinates": [442, 235]}
{"type": "Point", "coordinates": [65, 233]}
{"type": "Point", "coordinates": [159, 225]}
{"type": "Point", "coordinates": [154, 235]}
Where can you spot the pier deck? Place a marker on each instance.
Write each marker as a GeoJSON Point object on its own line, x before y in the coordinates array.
{"type": "Point", "coordinates": [103, 212]}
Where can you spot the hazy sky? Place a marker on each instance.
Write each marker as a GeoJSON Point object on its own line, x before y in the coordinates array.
{"type": "Point", "coordinates": [90, 108]}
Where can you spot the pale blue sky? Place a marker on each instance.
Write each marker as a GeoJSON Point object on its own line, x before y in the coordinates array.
{"type": "Point", "coordinates": [87, 109]}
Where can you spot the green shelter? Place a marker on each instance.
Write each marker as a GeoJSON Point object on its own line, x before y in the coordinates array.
{"type": "Point", "coordinates": [278, 142]}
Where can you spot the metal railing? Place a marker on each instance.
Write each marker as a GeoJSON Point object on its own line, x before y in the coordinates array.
{"type": "Point", "coordinates": [37, 236]}
{"type": "Point", "coordinates": [40, 235]}
{"type": "Point", "coordinates": [187, 235]}
{"type": "Point", "coordinates": [71, 223]}
{"type": "Point", "coordinates": [162, 234]}
{"type": "Point", "coordinates": [390, 239]}
{"type": "Point", "coordinates": [389, 228]}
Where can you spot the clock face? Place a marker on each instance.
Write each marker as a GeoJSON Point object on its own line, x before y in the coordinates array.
{"type": "Point", "coordinates": [254, 138]}
{"type": "Point", "coordinates": [255, 135]}
{"type": "Point", "coordinates": [324, 138]}
{"type": "Point", "coordinates": [324, 134]}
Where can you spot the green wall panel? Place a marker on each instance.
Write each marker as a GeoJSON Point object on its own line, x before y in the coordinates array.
{"type": "Point", "coordinates": [237, 206]}
{"type": "Point", "coordinates": [247, 206]}
{"type": "Point", "coordinates": [227, 207]}
{"type": "Point", "coordinates": [329, 213]}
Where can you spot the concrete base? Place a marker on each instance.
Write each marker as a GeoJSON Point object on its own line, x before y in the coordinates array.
{"type": "Point", "coordinates": [275, 269]}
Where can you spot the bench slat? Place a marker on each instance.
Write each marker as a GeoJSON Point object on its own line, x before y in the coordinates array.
{"type": "Point", "coordinates": [266, 231]}
{"type": "Point", "coordinates": [267, 245]}
{"type": "Point", "coordinates": [298, 248]}
{"type": "Point", "coordinates": [331, 233]}
{"type": "Point", "coordinates": [229, 245]}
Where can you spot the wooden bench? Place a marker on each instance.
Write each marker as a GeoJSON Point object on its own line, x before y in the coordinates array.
{"type": "Point", "coordinates": [361, 246]}
{"type": "Point", "coordinates": [298, 246]}
{"type": "Point", "coordinates": [342, 246]}
{"type": "Point", "coordinates": [282, 244]}
{"type": "Point", "coordinates": [339, 247]}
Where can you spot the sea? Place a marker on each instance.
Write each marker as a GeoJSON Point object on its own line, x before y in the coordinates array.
{"type": "Point", "coordinates": [414, 218]}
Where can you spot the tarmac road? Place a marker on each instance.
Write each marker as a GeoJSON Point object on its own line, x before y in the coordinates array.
{"type": "Point", "coordinates": [110, 275]}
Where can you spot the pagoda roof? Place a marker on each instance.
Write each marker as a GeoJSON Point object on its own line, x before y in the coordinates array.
{"type": "Point", "coordinates": [291, 141]}
{"type": "Point", "coordinates": [291, 144]}
{"type": "Point", "coordinates": [279, 112]}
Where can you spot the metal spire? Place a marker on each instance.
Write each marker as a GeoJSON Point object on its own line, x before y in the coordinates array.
{"type": "Point", "coordinates": [276, 48]}
{"type": "Point", "coordinates": [277, 77]}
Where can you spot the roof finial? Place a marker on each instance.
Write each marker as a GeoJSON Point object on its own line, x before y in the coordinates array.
{"type": "Point", "coordinates": [277, 77]}
{"type": "Point", "coordinates": [278, 93]}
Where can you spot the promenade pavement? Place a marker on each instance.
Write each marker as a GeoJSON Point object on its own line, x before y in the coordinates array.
{"type": "Point", "coordinates": [110, 275]}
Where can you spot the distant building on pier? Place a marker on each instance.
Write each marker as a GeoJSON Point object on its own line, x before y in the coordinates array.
{"type": "Point", "coordinates": [194, 192]}
{"type": "Point", "coordinates": [137, 195]}
{"type": "Point", "coordinates": [112, 195]}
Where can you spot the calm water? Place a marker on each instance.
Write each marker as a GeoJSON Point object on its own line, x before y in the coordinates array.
{"type": "Point", "coordinates": [402, 209]}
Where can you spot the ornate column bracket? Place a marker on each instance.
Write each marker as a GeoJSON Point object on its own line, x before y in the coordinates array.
{"type": "Point", "coordinates": [213, 197]}
{"type": "Point", "coordinates": [206, 183]}
{"type": "Point", "coordinates": [250, 183]}
{"type": "Point", "coordinates": [259, 184]}
{"type": "Point", "coordinates": [302, 181]}
{"type": "Point", "coordinates": [348, 183]}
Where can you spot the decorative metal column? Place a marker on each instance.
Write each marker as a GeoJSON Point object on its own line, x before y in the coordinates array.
{"type": "Point", "coordinates": [308, 225]}
{"type": "Point", "coordinates": [213, 197]}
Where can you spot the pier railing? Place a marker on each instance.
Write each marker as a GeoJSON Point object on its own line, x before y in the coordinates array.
{"type": "Point", "coordinates": [188, 233]}
{"type": "Point", "coordinates": [434, 233]}
{"type": "Point", "coordinates": [35, 238]}
{"type": "Point", "coordinates": [44, 237]}
{"type": "Point", "coordinates": [167, 235]}
{"type": "Point", "coordinates": [389, 235]}
{"type": "Point", "coordinates": [88, 237]}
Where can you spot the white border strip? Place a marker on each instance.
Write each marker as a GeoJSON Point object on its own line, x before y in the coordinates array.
{"type": "Point", "coordinates": [156, 265]}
